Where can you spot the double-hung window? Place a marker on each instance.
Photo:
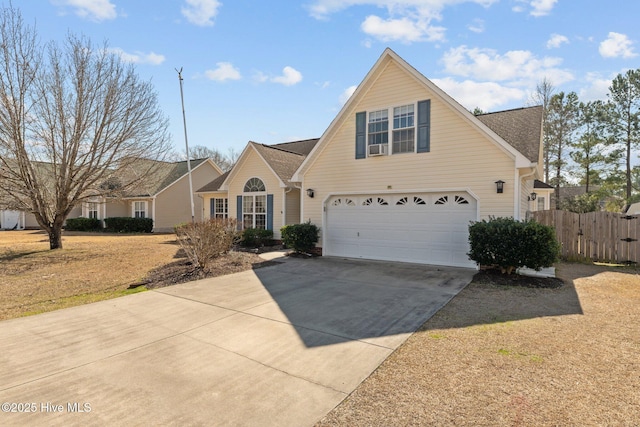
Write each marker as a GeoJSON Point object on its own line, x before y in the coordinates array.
{"type": "Point", "coordinates": [408, 132]}
{"type": "Point", "coordinates": [254, 204]}
{"type": "Point", "coordinates": [219, 208]}
{"type": "Point", "coordinates": [139, 209]}
{"type": "Point", "coordinates": [92, 210]}
{"type": "Point", "coordinates": [378, 127]}
{"type": "Point", "coordinates": [403, 129]}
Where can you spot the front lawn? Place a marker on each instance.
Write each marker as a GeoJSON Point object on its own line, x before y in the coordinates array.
{"type": "Point", "coordinates": [91, 267]}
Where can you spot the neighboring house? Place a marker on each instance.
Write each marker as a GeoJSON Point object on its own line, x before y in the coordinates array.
{"type": "Point", "coordinates": [634, 209]}
{"type": "Point", "coordinates": [398, 175]}
{"type": "Point", "coordinates": [542, 201]}
{"type": "Point", "coordinates": [163, 196]}
{"type": "Point", "coordinates": [258, 190]}
{"type": "Point", "coordinates": [570, 192]}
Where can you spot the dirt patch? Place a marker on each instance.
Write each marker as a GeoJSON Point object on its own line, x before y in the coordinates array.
{"type": "Point", "coordinates": [183, 271]}
{"type": "Point", "coordinates": [515, 356]}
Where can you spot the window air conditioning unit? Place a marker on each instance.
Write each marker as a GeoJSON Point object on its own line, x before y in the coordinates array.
{"type": "Point", "coordinates": [378, 149]}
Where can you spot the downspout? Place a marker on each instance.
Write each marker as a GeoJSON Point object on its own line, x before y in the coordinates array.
{"type": "Point", "coordinates": [519, 188]}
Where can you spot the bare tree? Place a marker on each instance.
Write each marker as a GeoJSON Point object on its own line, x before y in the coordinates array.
{"type": "Point", "coordinates": [225, 162]}
{"type": "Point", "coordinates": [542, 96]}
{"type": "Point", "coordinates": [71, 117]}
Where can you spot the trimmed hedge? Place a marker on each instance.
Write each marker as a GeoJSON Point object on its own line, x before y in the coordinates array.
{"type": "Point", "coordinates": [256, 237]}
{"type": "Point", "coordinates": [300, 237]}
{"type": "Point", "coordinates": [129, 225]}
{"type": "Point", "coordinates": [83, 224]}
{"type": "Point", "coordinates": [510, 244]}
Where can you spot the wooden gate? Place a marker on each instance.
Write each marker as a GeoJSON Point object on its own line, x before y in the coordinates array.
{"type": "Point", "coordinates": [595, 236]}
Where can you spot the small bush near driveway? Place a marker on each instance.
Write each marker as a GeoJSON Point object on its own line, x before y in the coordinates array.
{"type": "Point", "coordinates": [205, 241]}
{"type": "Point", "coordinates": [302, 238]}
{"type": "Point", "coordinates": [509, 244]}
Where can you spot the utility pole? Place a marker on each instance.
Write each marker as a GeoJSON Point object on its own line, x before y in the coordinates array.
{"type": "Point", "coordinates": [186, 143]}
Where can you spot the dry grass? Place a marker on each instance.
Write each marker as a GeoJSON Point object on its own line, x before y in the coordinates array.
{"type": "Point", "coordinates": [91, 267]}
{"type": "Point", "coordinates": [512, 356]}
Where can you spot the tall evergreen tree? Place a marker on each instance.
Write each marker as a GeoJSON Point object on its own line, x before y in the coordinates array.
{"type": "Point", "coordinates": [624, 98]}
{"type": "Point", "coordinates": [562, 121]}
{"type": "Point", "coordinates": [590, 152]}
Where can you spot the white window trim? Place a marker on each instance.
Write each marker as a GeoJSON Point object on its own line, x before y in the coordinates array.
{"type": "Point", "coordinates": [391, 129]}
{"type": "Point", "coordinates": [146, 208]}
{"type": "Point", "coordinates": [225, 213]}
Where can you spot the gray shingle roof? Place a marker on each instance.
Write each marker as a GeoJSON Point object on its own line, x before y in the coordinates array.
{"type": "Point", "coordinates": [164, 175]}
{"type": "Point", "coordinates": [215, 184]}
{"type": "Point", "coordinates": [521, 128]}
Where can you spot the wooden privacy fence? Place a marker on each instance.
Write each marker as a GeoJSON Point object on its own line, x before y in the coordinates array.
{"type": "Point", "coordinates": [595, 236]}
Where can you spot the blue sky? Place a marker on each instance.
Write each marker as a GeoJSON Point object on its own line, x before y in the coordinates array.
{"type": "Point", "coordinates": [275, 71]}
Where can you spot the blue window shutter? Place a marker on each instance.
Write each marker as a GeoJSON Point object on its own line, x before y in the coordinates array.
{"type": "Point", "coordinates": [212, 207]}
{"type": "Point", "coordinates": [361, 135]}
{"type": "Point", "coordinates": [424, 126]}
{"type": "Point", "coordinates": [269, 211]}
{"type": "Point", "coordinates": [239, 212]}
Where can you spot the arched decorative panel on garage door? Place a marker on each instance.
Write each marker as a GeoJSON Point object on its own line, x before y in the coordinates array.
{"type": "Point", "coordinates": [425, 228]}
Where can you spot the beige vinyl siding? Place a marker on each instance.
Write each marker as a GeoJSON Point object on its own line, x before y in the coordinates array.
{"type": "Point", "coordinates": [117, 208]}
{"type": "Point", "coordinates": [292, 207]}
{"type": "Point", "coordinates": [173, 205]}
{"type": "Point", "coordinates": [525, 203]}
{"type": "Point", "coordinates": [253, 166]}
{"type": "Point", "coordinates": [461, 157]}
{"type": "Point", "coordinates": [30, 221]}
{"type": "Point", "coordinates": [206, 203]}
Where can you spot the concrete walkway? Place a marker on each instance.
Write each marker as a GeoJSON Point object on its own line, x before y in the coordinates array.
{"type": "Point", "coordinates": [276, 346]}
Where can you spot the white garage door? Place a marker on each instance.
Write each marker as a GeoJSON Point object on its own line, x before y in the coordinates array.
{"type": "Point", "coordinates": [426, 228]}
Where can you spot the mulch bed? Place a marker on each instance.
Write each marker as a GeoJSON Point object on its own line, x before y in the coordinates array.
{"type": "Point", "coordinates": [495, 277]}
{"type": "Point", "coordinates": [182, 270]}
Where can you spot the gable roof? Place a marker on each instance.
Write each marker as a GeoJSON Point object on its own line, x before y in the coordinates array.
{"type": "Point", "coordinates": [520, 127]}
{"type": "Point", "coordinates": [282, 159]}
{"type": "Point", "coordinates": [387, 56]}
{"type": "Point", "coordinates": [214, 185]}
{"type": "Point", "coordinates": [166, 173]}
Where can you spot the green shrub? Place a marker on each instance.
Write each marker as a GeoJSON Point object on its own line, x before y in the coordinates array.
{"type": "Point", "coordinates": [510, 244]}
{"type": "Point", "coordinates": [129, 225]}
{"type": "Point", "coordinates": [300, 237]}
{"type": "Point", "coordinates": [205, 241]}
{"type": "Point", "coordinates": [256, 237]}
{"type": "Point", "coordinates": [83, 224]}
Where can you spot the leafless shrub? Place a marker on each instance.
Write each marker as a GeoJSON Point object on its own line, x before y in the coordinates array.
{"type": "Point", "coordinates": [205, 241]}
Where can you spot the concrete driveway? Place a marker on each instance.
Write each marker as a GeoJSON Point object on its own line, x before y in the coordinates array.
{"type": "Point", "coordinates": [280, 345]}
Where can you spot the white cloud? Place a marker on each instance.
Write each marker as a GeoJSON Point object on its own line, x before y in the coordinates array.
{"type": "Point", "coordinates": [542, 7]}
{"type": "Point", "coordinates": [260, 77]}
{"type": "Point", "coordinates": [224, 71]}
{"type": "Point", "coordinates": [485, 95]}
{"type": "Point", "coordinates": [290, 76]}
{"type": "Point", "coordinates": [520, 67]}
{"type": "Point", "coordinates": [556, 40]}
{"type": "Point", "coordinates": [617, 45]}
{"type": "Point", "coordinates": [344, 96]}
{"type": "Point", "coordinates": [598, 88]}
{"type": "Point", "coordinates": [201, 12]}
{"type": "Point", "coordinates": [538, 7]}
{"type": "Point", "coordinates": [477, 26]}
{"type": "Point", "coordinates": [404, 29]}
{"type": "Point", "coordinates": [137, 57]}
{"type": "Point", "coordinates": [407, 21]}
{"type": "Point", "coordinates": [95, 10]}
